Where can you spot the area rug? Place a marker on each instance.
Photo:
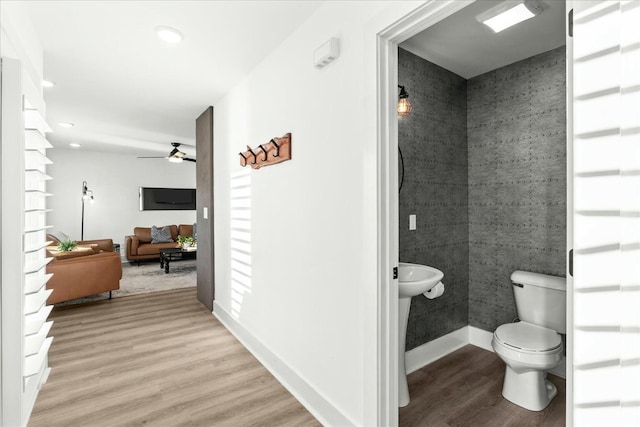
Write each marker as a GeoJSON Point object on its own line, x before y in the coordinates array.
{"type": "Point", "coordinates": [148, 277]}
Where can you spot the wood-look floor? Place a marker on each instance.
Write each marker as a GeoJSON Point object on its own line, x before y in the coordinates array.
{"type": "Point", "coordinates": [465, 389]}
{"type": "Point", "coordinates": [163, 360]}
{"type": "Point", "coordinates": [157, 360]}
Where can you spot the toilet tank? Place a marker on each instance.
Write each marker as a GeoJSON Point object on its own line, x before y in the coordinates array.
{"type": "Point", "coordinates": [541, 299]}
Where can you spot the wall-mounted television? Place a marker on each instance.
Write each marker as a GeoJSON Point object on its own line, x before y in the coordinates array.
{"type": "Point", "coordinates": [167, 199]}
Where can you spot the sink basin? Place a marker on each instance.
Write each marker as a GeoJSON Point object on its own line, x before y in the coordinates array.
{"type": "Point", "coordinates": [414, 279]}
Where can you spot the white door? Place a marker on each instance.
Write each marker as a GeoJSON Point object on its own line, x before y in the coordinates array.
{"type": "Point", "coordinates": [606, 213]}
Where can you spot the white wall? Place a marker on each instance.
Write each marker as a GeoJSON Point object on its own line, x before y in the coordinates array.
{"type": "Point", "coordinates": [18, 40]}
{"type": "Point", "coordinates": [114, 179]}
{"type": "Point", "coordinates": [313, 292]}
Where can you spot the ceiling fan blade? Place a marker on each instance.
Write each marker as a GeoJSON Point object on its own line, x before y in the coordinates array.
{"type": "Point", "coordinates": [189, 160]}
{"type": "Point", "coordinates": [174, 152]}
{"type": "Point", "coordinates": [154, 157]}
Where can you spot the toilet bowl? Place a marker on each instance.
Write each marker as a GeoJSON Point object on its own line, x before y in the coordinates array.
{"type": "Point", "coordinates": [528, 351]}
{"type": "Point", "coordinates": [533, 345]}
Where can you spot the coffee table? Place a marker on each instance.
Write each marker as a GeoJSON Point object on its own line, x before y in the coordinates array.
{"type": "Point", "coordinates": [175, 254]}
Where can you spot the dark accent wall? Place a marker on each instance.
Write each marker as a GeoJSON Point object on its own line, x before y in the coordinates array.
{"type": "Point", "coordinates": [485, 173]}
{"type": "Point", "coordinates": [204, 199]}
{"type": "Point", "coordinates": [516, 129]}
{"type": "Point", "coordinates": [433, 141]}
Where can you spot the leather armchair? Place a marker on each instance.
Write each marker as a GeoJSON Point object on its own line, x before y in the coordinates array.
{"type": "Point", "coordinates": [85, 275]}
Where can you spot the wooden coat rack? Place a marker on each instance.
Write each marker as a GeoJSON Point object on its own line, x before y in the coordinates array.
{"type": "Point", "coordinates": [275, 151]}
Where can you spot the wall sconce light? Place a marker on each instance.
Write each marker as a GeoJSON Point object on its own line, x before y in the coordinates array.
{"type": "Point", "coordinates": [404, 106]}
{"type": "Point", "coordinates": [509, 13]}
{"type": "Point", "coordinates": [87, 196]}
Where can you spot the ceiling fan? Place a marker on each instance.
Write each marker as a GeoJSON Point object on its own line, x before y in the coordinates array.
{"type": "Point", "coordinates": [175, 155]}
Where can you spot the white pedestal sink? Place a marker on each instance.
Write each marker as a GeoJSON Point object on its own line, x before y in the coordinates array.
{"type": "Point", "coordinates": [413, 279]}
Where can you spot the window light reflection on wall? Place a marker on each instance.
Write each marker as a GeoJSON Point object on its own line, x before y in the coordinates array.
{"type": "Point", "coordinates": [240, 239]}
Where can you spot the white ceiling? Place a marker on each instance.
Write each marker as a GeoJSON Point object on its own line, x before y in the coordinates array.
{"type": "Point", "coordinates": [468, 48]}
{"type": "Point", "coordinates": [129, 92]}
{"type": "Point", "coordinates": [125, 89]}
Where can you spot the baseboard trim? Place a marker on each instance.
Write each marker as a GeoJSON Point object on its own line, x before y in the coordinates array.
{"type": "Point", "coordinates": [427, 353]}
{"type": "Point", "coordinates": [480, 338]}
{"type": "Point", "coordinates": [310, 398]}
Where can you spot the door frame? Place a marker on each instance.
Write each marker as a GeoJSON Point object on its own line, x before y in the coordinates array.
{"type": "Point", "coordinates": [388, 40]}
{"type": "Point", "coordinates": [388, 198]}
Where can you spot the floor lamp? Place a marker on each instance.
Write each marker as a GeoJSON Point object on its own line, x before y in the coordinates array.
{"type": "Point", "coordinates": [87, 195]}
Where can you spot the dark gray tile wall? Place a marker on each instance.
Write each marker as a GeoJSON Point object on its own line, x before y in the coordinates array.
{"type": "Point", "coordinates": [517, 180]}
{"type": "Point", "coordinates": [485, 167]}
{"type": "Point", "coordinates": [433, 141]}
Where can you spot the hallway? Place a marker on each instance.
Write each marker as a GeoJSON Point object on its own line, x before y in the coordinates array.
{"type": "Point", "coordinates": [156, 359]}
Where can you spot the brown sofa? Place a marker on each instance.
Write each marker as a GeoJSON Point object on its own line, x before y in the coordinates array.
{"type": "Point", "coordinates": [139, 247]}
{"type": "Point", "coordinates": [94, 269]}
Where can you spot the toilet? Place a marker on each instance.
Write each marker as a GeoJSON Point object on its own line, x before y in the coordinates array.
{"type": "Point", "coordinates": [533, 345]}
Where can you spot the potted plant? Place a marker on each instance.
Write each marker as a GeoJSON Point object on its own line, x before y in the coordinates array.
{"type": "Point", "coordinates": [186, 241]}
{"type": "Point", "coordinates": [67, 245]}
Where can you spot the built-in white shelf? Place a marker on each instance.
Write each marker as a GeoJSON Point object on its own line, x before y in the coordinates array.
{"type": "Point", "coordinates": [36, 363]}
{"type": "Point", "coordinates": [33, 120]}
{"type": "Point", "coordinates": [36, 246]}
{"type": "Point", "coordinates": [34, 321]}
{"type": "Point", "coordinates": [37, 174]}
{"type": "Point", "coordinates": [33, 267]}
{"type": "Point", "coordinates": [24, 294]}
{"type": "Point", "coordinates": [33, 342]}
{"type": "Point", "coordinates": [34, 140]}
{"type": "Point", "coordinates": [33, 230]}
{"type": "Point", "coordinates": [34, 302]}
{"type": "Point", "coordinates": [38, 210]}
{"type": "Point", "coordinates": [34, 158]}
{"type": "Point", "coordinates": [35, 281]}
{"type": "Point", "coordinates": [39, 192]}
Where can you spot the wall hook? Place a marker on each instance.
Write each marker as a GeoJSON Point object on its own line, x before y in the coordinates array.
{"type": "Point", "coordinates": [255, 158]}
{"type": "Point", "coordinates": [245, 160]}
{"type": "Point", "coordinates": [277, 153]}
{"type": "Point", "coordinates": [265, 153]}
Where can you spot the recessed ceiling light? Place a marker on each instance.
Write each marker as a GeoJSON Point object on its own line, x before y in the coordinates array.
{"type": "Point", "coordinates": [66, 124]}
{"type": "Point", "coordinates": [509, 13]}
{"type": "Point", "coordinates": [47, 83]}
{"type": "Point", "coordinates": [169, 34]}
{"type": "Point", "coordinates": [74, 145]}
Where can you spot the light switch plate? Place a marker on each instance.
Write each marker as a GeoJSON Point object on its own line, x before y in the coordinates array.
{"type": "Point", "coordinates": [412, 222]}
{"type": "Point", "coordinates": [205, 213]}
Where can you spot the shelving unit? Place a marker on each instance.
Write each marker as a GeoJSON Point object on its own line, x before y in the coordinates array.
{"type": "Point", "coordinates": [25, 329]}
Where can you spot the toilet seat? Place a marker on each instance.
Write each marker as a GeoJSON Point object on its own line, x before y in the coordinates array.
{"type": "Point", "coordinates": [528, 338]}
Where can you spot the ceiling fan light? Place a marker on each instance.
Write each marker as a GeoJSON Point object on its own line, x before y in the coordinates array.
{"type": "Point", "coordinates": [173, 159]}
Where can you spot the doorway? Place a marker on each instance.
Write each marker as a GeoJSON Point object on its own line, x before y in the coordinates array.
{"type": "Point", "coordinates": [427, 16]}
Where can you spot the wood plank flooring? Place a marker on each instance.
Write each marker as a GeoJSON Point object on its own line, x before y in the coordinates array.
{"type": "Point", "coordinates": [157, 360]}
{"type": "Point", "coordinates": [465, 389]}
{"type": "Point", "coordinates": [163, 360]}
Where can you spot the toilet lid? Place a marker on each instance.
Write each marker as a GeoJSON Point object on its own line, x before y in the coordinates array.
{"type": "Point", "coordinates": [528, 337]}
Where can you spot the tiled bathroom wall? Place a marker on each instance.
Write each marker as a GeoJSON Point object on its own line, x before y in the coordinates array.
{"type": "Point", "coordinates": [516, 128]}
{"type": "Point", "coordinates": [485, 172]}
{"type": "Point", "coordinates": [433, 140]}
